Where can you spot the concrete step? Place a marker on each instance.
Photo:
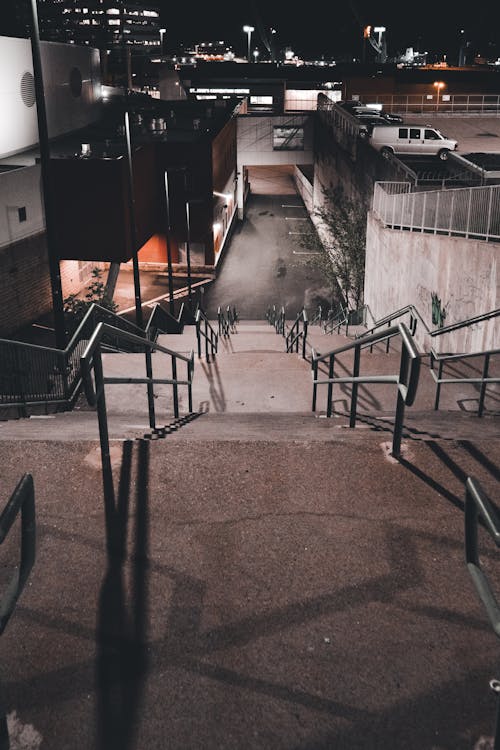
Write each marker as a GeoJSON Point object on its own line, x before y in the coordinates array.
{"type": "Point", "coordinates": [259, 594]}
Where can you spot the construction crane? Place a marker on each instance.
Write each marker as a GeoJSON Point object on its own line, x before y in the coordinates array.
{"type": "Point", "coordinates": [378, 43]}
{"type": "Point", "coordinates": [266, 41]}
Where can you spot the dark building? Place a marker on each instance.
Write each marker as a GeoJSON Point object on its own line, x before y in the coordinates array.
{"type": "Point", "coordinates": [104, 24]}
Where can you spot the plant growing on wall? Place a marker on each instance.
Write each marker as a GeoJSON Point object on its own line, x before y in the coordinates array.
{"type": "Point", "coordinates": [337, 246]}
{"type": "Point", "coordinates": [75, 307]}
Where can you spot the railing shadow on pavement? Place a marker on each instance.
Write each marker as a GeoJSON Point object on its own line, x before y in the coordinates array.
{"type": "Point", "coordinates": [121, 632]}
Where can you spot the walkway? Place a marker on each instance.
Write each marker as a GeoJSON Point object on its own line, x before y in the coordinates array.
{"type": "Point", "coordinates": [265, 263]}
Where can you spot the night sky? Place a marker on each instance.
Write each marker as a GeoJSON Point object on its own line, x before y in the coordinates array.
{"type": "Point", "coordinates": [333, 28]}
{"type": "Point", "coordinates": [316, 28]}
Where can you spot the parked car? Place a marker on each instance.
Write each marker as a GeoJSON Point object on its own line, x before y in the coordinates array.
{"type": "Point", "coordinates": [411, 140]}
{"type": "Point", "coordinates": [356, 108]}
{"type": "Point", "coordinates": [370, 120]}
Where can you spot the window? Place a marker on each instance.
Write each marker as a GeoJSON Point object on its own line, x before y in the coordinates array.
{"type": "Point", "coordinates": [261, 100]}
{"type": "Point", "coordinates": [286, 138]}
{"type": "Point", "coordinates": [431, 135]}
{"type": "Point", "coordinates": [415, 133]}
{"type": "Point", "coordinates": [403, 133]}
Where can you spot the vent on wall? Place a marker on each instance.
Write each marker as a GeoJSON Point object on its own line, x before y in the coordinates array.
{"type": "Point", "coordinates": [28, 89]}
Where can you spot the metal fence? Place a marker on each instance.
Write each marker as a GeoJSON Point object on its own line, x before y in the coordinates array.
{"type": "Point", "coordinates": [434, 103]}
{"type": "Point", "coordinates": [473, 213]}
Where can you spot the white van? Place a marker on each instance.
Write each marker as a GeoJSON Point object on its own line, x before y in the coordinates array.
{"type": "Point", "coordinates": [411, 140]}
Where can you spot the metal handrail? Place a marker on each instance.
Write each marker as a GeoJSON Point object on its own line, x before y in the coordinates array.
{"type": "Point", "coordinates": [34, 374]}
{"type": "Point", "coordinates": [227, 320]}
{"type": "Point", "coordinates": [415, 314]}
{"type": "Point", "coordinates": [276, 318]}
{"type": "Point", "coordinates": [208, 333]}
{"type": "Point", "coordinates": [298, 332]}
{"type": "Point", "coordinates": [162, 321]}
{"type": "Point", "coordinates": [94, 391]}
{"type": "Point", "coordinates": [479, 508]}
{"type": "Point", "coordinates": [484, 380]}
{"type": "Point", "coordinates": [406, 381]}
{"type": "Point", "coordinates": [21, 501]}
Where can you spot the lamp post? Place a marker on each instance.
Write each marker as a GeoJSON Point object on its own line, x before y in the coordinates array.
{"type": "Point", "coordinates": [255, 55]}
{"type": "Point", "coordinates": [248, 30]}
{"type": "Point", "coordinates": [439, 85]}
{"type": "Point", "coordinates": [50, 222]}
{"type": "Point", "coordinates": [162, 33]}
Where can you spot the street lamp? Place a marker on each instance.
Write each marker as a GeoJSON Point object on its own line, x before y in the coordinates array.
{"type": "Point", "coordinates": [439, 85]}
{"type": "Point", "coordinates": [248, 30]}
{"type": "Point", "coordinates": [162, 32]}
{"type": "Point", "coordinates": [255, 55]}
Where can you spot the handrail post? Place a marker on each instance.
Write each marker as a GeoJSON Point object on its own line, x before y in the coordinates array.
{"type": "Point", "coordinates": [190, 368]}
{"type": "Point", "coordinates": [388, 342]}
{"type": "Point", "coordinates": [400, 402]}
{"type": "Point", "coordinates": [354, 392]}
{"type": "Point", "coordinates": [150, 389]}
{"type": "Point", "coordinates": [482, 392]}
{"type": "Point", "coordinates": [102, 418]}
{"type": "Point", "coordinates": [175, 390]}
{"type": "Point", "coordinates": [304, 337]}
{"type": "Point", "coordinates": [438, 385]}
{"type": "Point", "coordinates": [198, 335]}
{"type": "Point", "coordinates": [315, 384]}
{"type": "Point", "coordinates": [330, 386]}
{"type": "Point", "coordinates": [207, 352]}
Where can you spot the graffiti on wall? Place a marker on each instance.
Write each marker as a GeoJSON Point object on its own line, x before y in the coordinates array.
{"type": "Point", "coordinates": [438, 311]}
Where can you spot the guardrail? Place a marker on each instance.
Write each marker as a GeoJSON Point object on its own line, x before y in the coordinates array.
{"type": "Point", "coordinates": [406, 381]}
{"type": "Point", "coordinates": [204, 330]}
{"type": "Point", "coordinates": [483, 380]}
{"type": "Point", "coordinates": [91, 361]}
{"type": "Point", "coordinates": [472, 212]}
{"type": "Point", "coordinates": [480, 509]}
{"type": "Point", "coordinates": [31, 374]}
{"type": "Point", "coordinates": [431, 103]}
{"type": "Point", "coordinates": [276, 318]}
{"type": "Point", "coordinates": [297, 334]}
{"type": "Point", "coordinates": [226, 320]}
{"type": "Point", "coordinates": [21, 501]}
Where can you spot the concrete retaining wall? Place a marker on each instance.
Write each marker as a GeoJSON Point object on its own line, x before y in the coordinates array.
{"type": "Point", "coordinates": [463, 276]}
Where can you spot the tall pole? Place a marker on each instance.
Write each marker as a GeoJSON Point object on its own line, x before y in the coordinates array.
{"type": "Point", "coordinates": [133, 228]}
{"type": "Point", "coordinates": [188, 250]}
{"type": "Point", "coordinates": [169, 249]}
{"type": "Point", "coordinates": [43, 137]}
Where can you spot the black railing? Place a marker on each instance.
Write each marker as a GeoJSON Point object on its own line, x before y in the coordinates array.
{"type": "Point", "coordinates": [480, 509]}
{"type": "Point", "coordinates": [32, 374]}
{"type": "Point", "coordinates": [406, 381]}
{"type": "Point", "coordinates": [22, 501]}
{"type": "Point", "coordinates": [298, 334]}
{"type": "Point", "coordinates": [226, 320]}
{"type": "Point", "coordinates": [91, 361]}
{"type": "Point", "coordinates": [276, 318]}
{"type": "Point", "coordinates": [162, 321]}
{"type": "Point", "coordinates": [482, 381]}
{"type": "Point", "coordinates": [204, 330]}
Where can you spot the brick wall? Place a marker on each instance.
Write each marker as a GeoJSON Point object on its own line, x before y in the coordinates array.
{"type": "Point", "coordinates": [25, 291]}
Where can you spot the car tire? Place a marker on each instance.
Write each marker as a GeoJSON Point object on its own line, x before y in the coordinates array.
{"type": "Point", "coordinates": [443, 154]}
{"type": "Point", "coordinates": [386, 151]}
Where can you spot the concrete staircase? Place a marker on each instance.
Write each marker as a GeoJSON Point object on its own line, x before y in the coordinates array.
{"type": "Point", "coordinates": [276, 579]}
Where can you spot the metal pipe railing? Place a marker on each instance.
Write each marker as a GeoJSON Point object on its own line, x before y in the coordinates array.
{"type": "Point", "coordinates": [204, 330]}
{"type": "Point", "coordinates": [469, 212]}
{"type": "Point", "coordinates": [21, 501]}
{"type": "Point", "coordinates": [406, 381]}
{"type": "Point", "coordinates": [482, 380]}
{"type": "Point", "coordinates": [297, 334]}
{"type": "Point", "coordinates": [479, 508]}
{"type": "Point", "coordinates": [95, 391]}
